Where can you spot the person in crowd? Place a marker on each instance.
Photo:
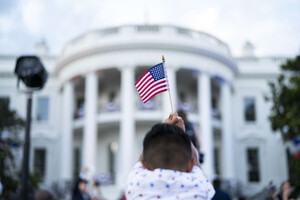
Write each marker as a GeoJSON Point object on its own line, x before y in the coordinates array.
{"type": "Point", "coordinates": [1, 187]}
{"type": "Point", "coordinates": [17, 194]}
{"type": "Point", "coordinates": [44, 195]}
{"type": "Point", "coordinates": [168, 166]}
{"type": "Point", "coordinates": [87, 173]}
{"type": "Point", "coordinates": [220, 194]}
{"type": "Point", "coordinates": [284, 193]}
{"type": "Point", "coordinates": [192, 131]}
{"type": "Point", "coordinates": [271, 189]}
{"type": "Point", "coordinates": [80, 191]}
{"type": "Point", "coordinates": [96, 193]}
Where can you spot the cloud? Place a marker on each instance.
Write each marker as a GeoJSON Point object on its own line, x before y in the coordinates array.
{"type": "Point", "coordinates": [32, 15]}
{"type": "Point", "coordinates": [7, 6]}
{"type": "Point", "coordinates": [5, 24]}
{"type": "Point", "coordinates": [271, 25]}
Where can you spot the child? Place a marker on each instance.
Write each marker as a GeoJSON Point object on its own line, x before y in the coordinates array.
{"type": "Point", "coordinates": [168, 167]}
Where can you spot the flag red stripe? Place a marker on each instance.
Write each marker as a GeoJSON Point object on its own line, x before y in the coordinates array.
{"type": "Point", "coordinates": [147, 73]}
{"type": "Point", "coordinates": [151, 92]}
{"type": "Point", "coordinates": [155, 94]}
{"type": "Point", "coordinates": [145, 82]}
{"type": "Point", "coordinates": [144, 86]}
{"type": "Point", "coordinates": [150, 87]}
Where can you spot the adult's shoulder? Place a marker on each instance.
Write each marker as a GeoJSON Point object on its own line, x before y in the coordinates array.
{"type": "Point", "coordinates": [220, 194]}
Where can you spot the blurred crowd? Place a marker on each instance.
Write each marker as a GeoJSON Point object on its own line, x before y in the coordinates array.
{"type": "Point", "coordinates": [86, 188]}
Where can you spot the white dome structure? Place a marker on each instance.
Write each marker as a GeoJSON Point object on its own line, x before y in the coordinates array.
{"type": "Point", "coordinates": [97, 119]}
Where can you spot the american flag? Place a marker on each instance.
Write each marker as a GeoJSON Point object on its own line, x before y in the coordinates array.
{"type": "Point", "coordinates": [153, 82]}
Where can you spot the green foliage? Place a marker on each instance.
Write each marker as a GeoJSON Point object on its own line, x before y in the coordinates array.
{"type": "Point", "coordinates": [12, 125]}
{"type": "Point", "coordinates": [35, 180]}
{"type": "Point", "coordinates": [10, 185]}
{"type": "Point", "coordinates": [294, 173]}
{"type": "Point", "coordinates": [285, 111]}
{"type": "Point", "coordinates": [285, 95]}
{"type": "Point", "coordinates": [9, 119]}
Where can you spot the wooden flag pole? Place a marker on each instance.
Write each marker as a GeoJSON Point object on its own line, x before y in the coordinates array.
{"type": "Point", "coordinates": [163, 59]}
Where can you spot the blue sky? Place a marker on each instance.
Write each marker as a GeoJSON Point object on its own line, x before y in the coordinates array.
{"type": "Point", "coordinates": [273, 26]}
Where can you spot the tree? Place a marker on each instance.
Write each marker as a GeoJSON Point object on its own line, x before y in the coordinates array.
{"type": "Point", "coordinates": [285, 113]}
{"type": "Point", "coordinates": [10, 126]}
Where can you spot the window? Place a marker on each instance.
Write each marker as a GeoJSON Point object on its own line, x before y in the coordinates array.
{"type": "Point", "coordinates": [249, 109]}
{"type": "Point", "coordinates": [39, 165]}
{"type": "Point", "coordinates": [77, 161]}
{"type": "Point", "coordinates": [216, 160]}
{"type": "Point", "coordinates": [111, 96]}
{"type": "Point", "coordinates": [43, 109]}
{"type": "Point", "coordinates": [253, 165]}
{"type": "Point", "coordinates": [80, 108]}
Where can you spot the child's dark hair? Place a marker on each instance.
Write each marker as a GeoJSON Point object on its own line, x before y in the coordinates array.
{"type": "Point", "coordinates": [167, 146]}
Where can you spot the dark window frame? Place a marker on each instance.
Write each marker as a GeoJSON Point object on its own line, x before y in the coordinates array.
{"type": "Point", "coordinates": [253, 171]}
{"type": "Point", "coordinates": [40, 112]}
{"type": "Point", "coordinates": [39, 162]}
{"type": "Point", "coordinates": [249, 109]}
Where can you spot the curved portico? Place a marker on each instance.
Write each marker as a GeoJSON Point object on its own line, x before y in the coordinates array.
{"type": "Point", "coordinates": [200, 73]}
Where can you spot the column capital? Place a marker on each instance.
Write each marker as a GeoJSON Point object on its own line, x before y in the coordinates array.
{"type": "Point", "coordinates": [201, 73]}
{"type": "Point", "coordinates": [126, 66]}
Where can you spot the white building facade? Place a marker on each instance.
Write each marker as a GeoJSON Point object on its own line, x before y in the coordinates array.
{"type": "Point", "coordinates": [90, 114]}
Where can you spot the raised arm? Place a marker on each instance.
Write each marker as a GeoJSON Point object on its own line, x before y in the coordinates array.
{"type": "Point", "coordinates": [176, 120]}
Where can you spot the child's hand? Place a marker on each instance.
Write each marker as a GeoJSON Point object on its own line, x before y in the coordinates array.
{"type": "Point", "coordinates": [174, 119]}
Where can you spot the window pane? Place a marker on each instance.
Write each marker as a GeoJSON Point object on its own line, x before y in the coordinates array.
{"type": "Point", "coordinates": [77, 161]}
{"type": "Point", "coordinates": [43, 109]}
{"type": "Point", "coordinates": [40, 162]}
{"type": "Point", "coordinates": [249, 109]}
{"type": "Point", "coordinates": [216, 160]}
{"type": "Point", "coordinates": [253, 165]}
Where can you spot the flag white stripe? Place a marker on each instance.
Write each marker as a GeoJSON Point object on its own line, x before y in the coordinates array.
{"type": "Point", "coordinates": [154, 92]}
{"type": "Point", "coordinates": [145, 83]}
{"type": "Point", "coordinates": [150, 89]}
{"type": "Point", "coordinates": [142, 79]}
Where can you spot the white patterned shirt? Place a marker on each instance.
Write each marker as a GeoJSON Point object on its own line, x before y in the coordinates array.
{"type": "Point", "coordinates": [167, 184]}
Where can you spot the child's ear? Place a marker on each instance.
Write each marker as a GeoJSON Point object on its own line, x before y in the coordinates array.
{"type": "Point", "coordinates": [142, 160]}
{"type": "Point", "coordinates": [144, 164]}
{"type": "Point", "coordinates": [190, 165]}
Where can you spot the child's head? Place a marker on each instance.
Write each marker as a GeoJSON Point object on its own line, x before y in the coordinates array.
{"type": "Point", "coordinates": [168, 147]}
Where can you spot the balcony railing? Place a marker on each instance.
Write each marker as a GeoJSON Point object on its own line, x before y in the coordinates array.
{"type": "Point", "coordinates": [109, 107]}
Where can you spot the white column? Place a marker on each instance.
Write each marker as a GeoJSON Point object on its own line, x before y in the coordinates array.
{"type": "Point", "coordinates": [67, 131]}
{"type": "Point", "coordinates": [127, 126]}
{"type": "Point", "coordinates": [206, 133]}
{"type": "Point", "coordinates": [173, 90]}
{"type": "Point", "coordinates": [227, 139]}
{"type": "Point", "coordinates": [90, 122]}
